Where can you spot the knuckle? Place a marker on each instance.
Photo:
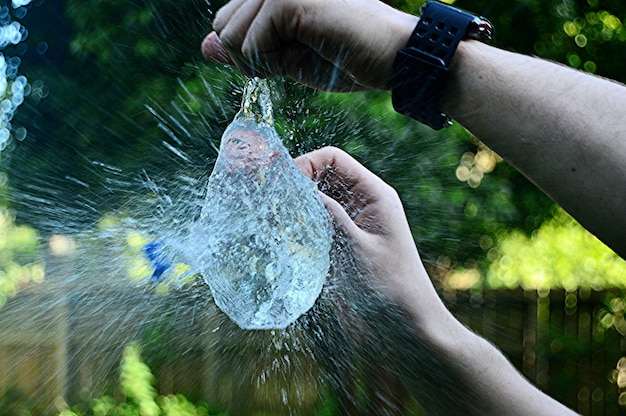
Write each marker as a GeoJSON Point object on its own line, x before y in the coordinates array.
{"type": "Point", "coordinates": [230, 40]}
{"type": "Point", "coordinates": [331, 149]}
{"type": "Point", "coordinates": [389, 192]}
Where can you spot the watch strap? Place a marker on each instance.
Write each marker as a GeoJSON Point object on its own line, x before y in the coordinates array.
{"type": "Point", "coordinates": [421, 69]}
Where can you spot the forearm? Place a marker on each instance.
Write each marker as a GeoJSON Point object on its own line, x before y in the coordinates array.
{"type": "Point", "coordinates": [450, 369]}
{"type": "Point", "coordinates": [563, 129]}
{"type": "Point", "coordinates": [458, 372]}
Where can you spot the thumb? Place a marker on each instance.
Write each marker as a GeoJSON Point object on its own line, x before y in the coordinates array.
{"type": "Point", "coordinates": [214, 51]}
{"type": "Point", "coordinates": [340, 217]}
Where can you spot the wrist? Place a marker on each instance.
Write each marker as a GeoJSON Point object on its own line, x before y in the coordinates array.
{"type": "Point", "coordinates": [466, 53]}
{"type": "Point", "coordinates": [401, 27]}
{"type": "Point", "coordinates": [416, 295]}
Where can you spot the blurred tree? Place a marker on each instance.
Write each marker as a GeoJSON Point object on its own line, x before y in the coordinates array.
{"type": "Point", "coordinates": [552, 265]}
{"type": "Point", "coordinates": [585, 34]}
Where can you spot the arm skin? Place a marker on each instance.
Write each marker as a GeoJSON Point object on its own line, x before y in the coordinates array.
{"type": "Point", "coordinates": [470, 377]}
{"type": "Point", "coordinates": [563, 129]}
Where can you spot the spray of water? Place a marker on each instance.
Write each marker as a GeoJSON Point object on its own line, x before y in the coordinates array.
{"type": "Point", "coordinates": [139, 273]}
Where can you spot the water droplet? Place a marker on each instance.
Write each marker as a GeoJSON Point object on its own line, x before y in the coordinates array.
{"type": "Point", "coordinates": [19, 3]}
{"type": "Point", "coordinates": [4, 135]}
{"type": "Point", "coordinates": [20, 134]}
{"type": "Point", "coordinates": [21, 12]}
{"type": "Point", "coordinates": [42, 48]}
{"type": "Point", "coordinates": [6, 106]}
{"type": "Point", "coordinates": [17, 99]}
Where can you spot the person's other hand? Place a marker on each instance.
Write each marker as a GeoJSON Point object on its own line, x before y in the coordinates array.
{"type": "Point", "coordinates": [326, 44]}
{"type": "Point", "coordinates": [370, 214]}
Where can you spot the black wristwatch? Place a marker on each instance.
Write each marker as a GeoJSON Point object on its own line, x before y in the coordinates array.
{"type": "Point", "coordinates": [421, 70]}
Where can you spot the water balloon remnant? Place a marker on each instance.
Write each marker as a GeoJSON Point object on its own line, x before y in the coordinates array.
{"type": "Point", "coordinates": [267, 234]}
{"type": "Point", "coordinates": [154, 252]}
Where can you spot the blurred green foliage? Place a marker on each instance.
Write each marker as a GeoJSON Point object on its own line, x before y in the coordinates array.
{"type": "Point", "coordinates": [548, 259]}
{"type": "Point", "coordinates": [20, 261]}
{"type": "Point", "coordinates": [586, 34]}
{"type": "Point", "coordinates": [140, 398]}
{"type": "Point", "coordinates": [14, 402]}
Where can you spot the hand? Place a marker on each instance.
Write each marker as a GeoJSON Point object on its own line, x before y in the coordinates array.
{"type": "Point", "coordinates": [326, 44]}
{"type": "Point", "coordinates": [369, 213]}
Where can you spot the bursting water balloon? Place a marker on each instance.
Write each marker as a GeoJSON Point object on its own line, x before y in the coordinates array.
{"type": "Point", "coordinates": [267, 234]}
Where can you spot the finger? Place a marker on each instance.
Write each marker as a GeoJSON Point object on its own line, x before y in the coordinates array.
{"type": "Point", "coordinates": [280, 23]}
{"type": "Point", "coordinates": [341, 219]}
{"type": "Point", "coordinates": [261, 41]}
{"type": "Point", "coordinates": [272, 47]}
{"type": "Point", "coordinates": [342, 178]}
{"type": "Point", "coordinates": [297, 62]}
{"type": "Point", "coordinates": [333, 163]}
{"type": "Point", "coordinates": [271, 41]}
{"type": "Point", "coordinates": [225, 13]}
{"type": "Point", "coordinates": [320, 166]}
{"type": "Point", "coordinates": [356, 198]}
{"type": "Point", "coordinates": [234, 31]}
{"type": "Point", "coordinates": [246, 47]}
{"type": "Point", "coordinates": [232, 24]}
{"type": "Point", "coordinates": [307, 165]}
{"type": "Point", "coordinates": [214, 51]}
{"type": "Point", "coordinates": [250, 69]}
{"type": "Point", "coordinates": [306, 66]}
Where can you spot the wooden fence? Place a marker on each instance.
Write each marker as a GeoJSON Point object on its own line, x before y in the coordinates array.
{"type": "Point", "coordinates": [58, 347]}
{"type": "Point", "coordinates": [555, 339]}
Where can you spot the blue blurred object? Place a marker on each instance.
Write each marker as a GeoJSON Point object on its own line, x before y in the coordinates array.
{"type": "Point", "coordinates": [154, 252]}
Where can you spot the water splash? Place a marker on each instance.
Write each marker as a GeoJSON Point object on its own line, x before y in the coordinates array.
{"type": "Point", "coordinates": [265, 234]}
